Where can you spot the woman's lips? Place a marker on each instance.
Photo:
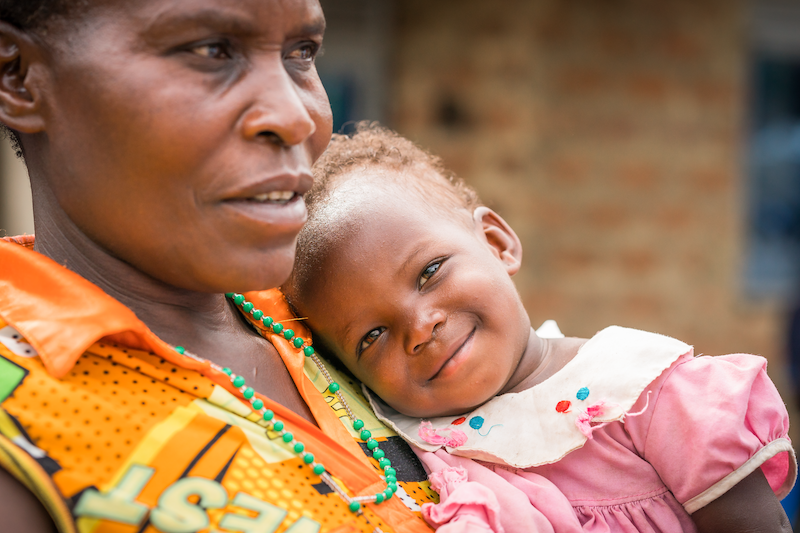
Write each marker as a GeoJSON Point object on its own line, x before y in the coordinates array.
{"type": "Point", "coordinates": [460, 353]}
{"type": "Point", "coordinates": [281, 212]}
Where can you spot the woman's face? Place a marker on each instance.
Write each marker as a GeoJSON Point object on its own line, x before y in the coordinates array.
{"type": "Point", "coordinates": [179, 134]}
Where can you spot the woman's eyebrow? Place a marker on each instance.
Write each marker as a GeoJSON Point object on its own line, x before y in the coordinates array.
{"type": "Point", "coordinates": [217, 20]}
{"type": "Point", "coordinates": [317, 27]}
{"type": "Point", "coordinates": [222, 21]}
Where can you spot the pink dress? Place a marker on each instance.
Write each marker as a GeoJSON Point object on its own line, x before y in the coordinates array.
{"type": "Point", "coordinates": [650, 455]}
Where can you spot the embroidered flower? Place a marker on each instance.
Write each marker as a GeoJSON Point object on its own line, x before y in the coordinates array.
{"type": "Point", "coordinates": [586, 418]}
{"type": "Point", "coordinates": [450, 437]}
{"type": "Point", "coordinates": [476, 422]}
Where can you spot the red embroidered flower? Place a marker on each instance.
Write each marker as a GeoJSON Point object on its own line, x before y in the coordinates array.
{"type": "Point", "coordinates": [563, 406]}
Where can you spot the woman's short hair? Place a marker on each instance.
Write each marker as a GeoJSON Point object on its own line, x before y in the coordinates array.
{"type": "Point", "coordinates": [34, 14]}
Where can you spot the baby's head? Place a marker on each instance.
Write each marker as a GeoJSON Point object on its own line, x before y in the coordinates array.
{"type": "Point", "coordinates": [406, 278]}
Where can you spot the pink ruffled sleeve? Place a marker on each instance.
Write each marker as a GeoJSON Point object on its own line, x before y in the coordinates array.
{"type": "Point", "coordinates": [474, 497]}
{"type": "Point", "coordinates": [712, 421]}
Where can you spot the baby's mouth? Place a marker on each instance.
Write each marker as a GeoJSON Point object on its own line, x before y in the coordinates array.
{"type": "Point", "coordinates": [452, 355]}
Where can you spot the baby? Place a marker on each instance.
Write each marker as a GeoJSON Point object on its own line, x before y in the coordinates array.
{"type": "Point", "coordinates": [406, 278]}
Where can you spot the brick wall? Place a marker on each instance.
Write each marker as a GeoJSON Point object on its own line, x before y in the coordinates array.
{"type": "Point", "coordinates": [610, 135]}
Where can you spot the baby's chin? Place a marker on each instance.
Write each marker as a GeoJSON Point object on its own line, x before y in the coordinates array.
{"type": "Point", "coordinates": [415, 412]}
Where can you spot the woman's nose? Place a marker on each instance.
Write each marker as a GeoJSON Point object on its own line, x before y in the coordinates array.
{"type": "Point", "coordinates": [422, 329]}
{"type": "Point", "coordinates": [279, 115]}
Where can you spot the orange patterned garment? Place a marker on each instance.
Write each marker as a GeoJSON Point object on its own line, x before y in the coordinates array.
{"type": "Point", "coordinates": [115, 431]}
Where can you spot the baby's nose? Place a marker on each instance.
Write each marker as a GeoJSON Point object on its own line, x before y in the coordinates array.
{"type": "Point", "coordinates": [423, 331]}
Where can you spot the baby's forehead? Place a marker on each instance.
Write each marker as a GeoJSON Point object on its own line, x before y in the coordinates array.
{"type": "Point", "coordinates": [368, 190]}
{"type": "Point", "coordinates": [358, 202]}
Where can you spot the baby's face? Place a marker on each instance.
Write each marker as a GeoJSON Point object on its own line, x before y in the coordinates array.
{"type": "Point", "coordinates": [419, 306]}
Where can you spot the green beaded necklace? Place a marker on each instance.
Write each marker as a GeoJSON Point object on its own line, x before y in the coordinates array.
{"type": "Point", "coordinates": [353, 503]}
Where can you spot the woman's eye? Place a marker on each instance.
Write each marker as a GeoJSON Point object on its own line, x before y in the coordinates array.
{"type": "Point", "coordinates": [369, 338]}
{"type": "Point", "coordinates": [304, 53]}
{"type": "Point", "coordinates": [429, 271]}
{"type": "Point", "coordinates": [213, 50]}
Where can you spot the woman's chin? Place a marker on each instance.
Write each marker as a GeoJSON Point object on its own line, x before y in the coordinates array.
{"type": "Point", "coordinates": [220, 272]}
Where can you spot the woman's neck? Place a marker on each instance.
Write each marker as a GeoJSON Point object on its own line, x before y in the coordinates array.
{"type": "Point", "coordinates": [206, 324]}
{"type": "Point", "coordinates": [172, 313]}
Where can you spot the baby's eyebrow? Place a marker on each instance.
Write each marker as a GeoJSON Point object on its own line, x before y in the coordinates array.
{"type": "Point", "coordinates": [343, 337]}
{"type": "Point", "coordinates": [412, 258]}
{"type": "Point", "coordinates": [346, 332]}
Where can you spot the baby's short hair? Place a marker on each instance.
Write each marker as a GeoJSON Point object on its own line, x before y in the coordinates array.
{"type": "Point", "coordinates": [371, 148]}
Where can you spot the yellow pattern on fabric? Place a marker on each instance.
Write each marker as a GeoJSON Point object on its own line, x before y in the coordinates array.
{"type": "Point", "coordinates": [418, 491]}
{"type": "Point", "coordinates": [352, 395]}
{"type": "Point", "coordinates": [272, 449]}
{"type": "Point", "coordinates": [125, 417]}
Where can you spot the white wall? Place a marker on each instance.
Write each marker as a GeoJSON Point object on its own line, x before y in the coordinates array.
{"type": "Point", "coordinates": [16, 210]}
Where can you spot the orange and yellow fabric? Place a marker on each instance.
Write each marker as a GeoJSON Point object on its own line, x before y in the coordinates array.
{"type": "Point", "coordinates": [115, 431]}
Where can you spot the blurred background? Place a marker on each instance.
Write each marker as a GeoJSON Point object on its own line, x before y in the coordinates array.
{"type": "Point", "coordinates": [646, 152]}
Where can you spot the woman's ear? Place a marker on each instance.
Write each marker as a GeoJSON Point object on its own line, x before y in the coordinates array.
{"type": "Point", "coordinates": [20, 76]}
{"type": "Point", "coordinates": [500, 238]}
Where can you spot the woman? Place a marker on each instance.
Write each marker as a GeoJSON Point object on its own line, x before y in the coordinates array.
{"type": "Point", "coordinates": [168, 143]}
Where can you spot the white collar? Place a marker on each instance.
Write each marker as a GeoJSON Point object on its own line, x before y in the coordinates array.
{"type": "Point", "coordinates": [524, 429]}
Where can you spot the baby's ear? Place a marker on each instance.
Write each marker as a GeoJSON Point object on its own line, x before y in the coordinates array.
{"type": "Point", "coordinates": [500, 238]}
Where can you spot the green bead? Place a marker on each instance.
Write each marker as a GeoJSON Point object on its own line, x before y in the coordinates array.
{"type": "Point", "coordinates": [365, 434]}
{"type": "Point", "coordinates": [248, 393]}
{"type": "Point", "coordinates": [388, 494]}
{"type": "Point", "coordinates": [379, 497]}
{"type": "Point", "coordinates": [257, 404]}
{"type": "Point", "coordinates": [354, 506]}
{"type": "Point", "coordinates": [393, 487]}
{"type": "Point", "coordinates": [267, 321]}
{"type": "Point", "coordinates": [383, 463]}
{"type": "Point", "coordinates": [238, 381]}
{"type": "Point", "coordinates": [257, 314]}
{"type": "Point", "coordinates": [247, 307]}
{"type": "Point", "coordinates": [277, 425]}
{"type": "Point", "coordinates": [287, 437]}
{"type": "Point", "coordinates": [319, 469]}
{"type": "Point", "coordinates": [298, 342]}
{"type": "Point", "coordinates": [308, 458]}
{"type": "Point", "coordinates": [378, 453]}
{"type": "Point", "coordinates": [277, 328]}
{"type": "Point", "coordinates": [333, 387]}
{"type": "Point", "coordinates": [229, 295]}
{"type": "Point", "coordinates": [299, 447]}
{"type": "Point", "coordinates": [268, 414]}
{"type": "Point", "coordinates": [180, 349]}
{"type": "Point", "coordinates": [358, 424]}
{"type": "Point", "coordinates": [309, 351]}
{"type": "Point", "coordinates": [390, 471]}
{"type": "Point", "coordinates": [227, 370]}
{"type": "Point", "coordinates": [390, 479]}
{"type": "Point", "coordinates": [238, 299]}
{"type": "Point", "coordinates": [372, 444]}
{"type": "Point", "coordinates": [288, 334]}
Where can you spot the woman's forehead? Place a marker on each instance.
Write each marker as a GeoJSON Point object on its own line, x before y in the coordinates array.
{"type": "Point", "coordinates": [302, 16]}
{"type": "Point", "coordinates": [283, 18]}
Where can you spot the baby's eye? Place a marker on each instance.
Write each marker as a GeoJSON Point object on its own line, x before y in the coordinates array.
{"type": "Point", "coordinates": [369, 338]}
{"type": "Point", "coordinates": [219, 50]}
{"type": "Point", "coordinates": [429, 271]}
